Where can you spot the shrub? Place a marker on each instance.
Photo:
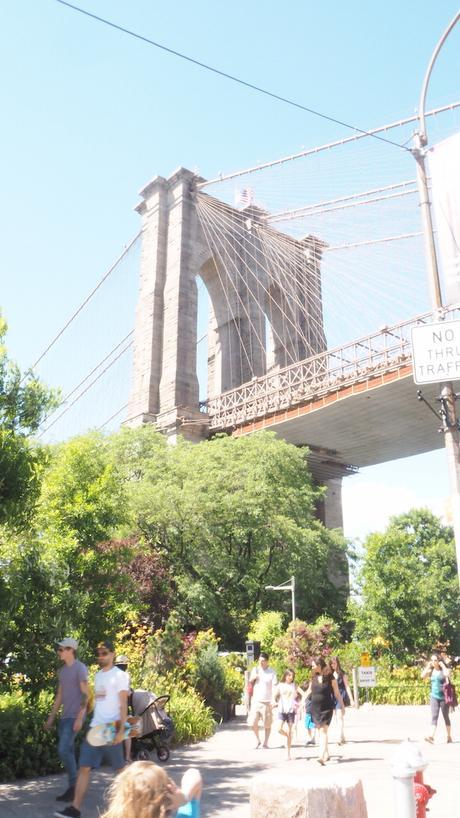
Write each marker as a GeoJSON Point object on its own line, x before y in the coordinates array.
{"type": "Point", "coordinates": [233, 683]}
{"type": "Point", "coordinates": [266, 629]}
{"type": "Point", "coordinates": [193, 720]}
{"type": "Point", "coordinates": [207, 674]}
{"type": "Point", "coordinates": [26, 749]}
{"type": "Point", "coordinates": [401, 685]}
{"type": "Point", "coordinates": [302, 642]}
{"type": "Point", "coordinates": [165, 648]}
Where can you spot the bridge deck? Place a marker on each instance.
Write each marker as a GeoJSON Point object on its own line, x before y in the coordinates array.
{"type": "Point", "coordinates": [355, 405]}
{"type": "Point", "coordinates": [382, 420]}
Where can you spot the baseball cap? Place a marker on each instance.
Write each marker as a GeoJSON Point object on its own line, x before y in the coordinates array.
{"type": "Point", "coordinates": [68, 642]}
{"type": "Point", "coordinates": [121, 660]}
{"type": "Point", "coordinates": [107, 644]}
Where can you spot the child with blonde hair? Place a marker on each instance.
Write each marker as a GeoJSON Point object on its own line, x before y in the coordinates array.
{"type": "Point", "coordinates": [144, 790]}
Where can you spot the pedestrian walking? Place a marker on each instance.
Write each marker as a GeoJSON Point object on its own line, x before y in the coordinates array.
{"type": "Point", "coordinates": [347, 696]}
{"type": "Point", "coordinates": [263, 681]}
{"type": "Point", "coordinates": [121, 662]}
{"type": "Point", "coordinates": [144, 790]}
{"type": "Point", "coordinates": [287, 697]}
{"type": "Point", "coordinates": [72, 697]}
{"type": "Point", "coordinates": [324, 691]}
{"type": "Point", "coordinates": [438, 673]}
{"type": "Point", "coordinates": [308, 722]}
{"type": "Point", "coordinates": [111, 705]}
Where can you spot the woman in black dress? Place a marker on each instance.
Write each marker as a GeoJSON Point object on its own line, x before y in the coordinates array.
{"type": "Point", "coordinates": [324, 693]}
{"type": "Point", "coordinates": [342, 680]}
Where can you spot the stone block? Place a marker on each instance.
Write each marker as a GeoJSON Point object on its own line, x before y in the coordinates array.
{"type": "Point", "coordinates": [290, 795]}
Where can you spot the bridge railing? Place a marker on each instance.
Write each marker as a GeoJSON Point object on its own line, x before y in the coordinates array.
{"type": "Point", "coordinates": [315, 377]}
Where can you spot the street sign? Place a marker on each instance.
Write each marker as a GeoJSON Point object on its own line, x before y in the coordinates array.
{"type": "Point", "coordinates": [436, 352]}
{"type": "Point", "coordinates": [365, 659]}
{"type": "Point", "coordinates": [366, 677]}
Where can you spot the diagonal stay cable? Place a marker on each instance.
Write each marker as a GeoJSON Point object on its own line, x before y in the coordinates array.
{"type": "Point", "coordinates": [88, 376]}
{"type": "Point", "coordinates": [227, 76]}
{"type": "Point", "coordinates": [84, 302]}
{"type": "Point", "coordinates": [90, 385]}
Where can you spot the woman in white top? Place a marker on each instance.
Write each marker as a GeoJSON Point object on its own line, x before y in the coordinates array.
{"type": "Point", "coordinates": [287, 697]}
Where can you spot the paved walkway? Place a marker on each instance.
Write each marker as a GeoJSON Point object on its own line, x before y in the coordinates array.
{"type": "Point", "coordinates": [228, 762]}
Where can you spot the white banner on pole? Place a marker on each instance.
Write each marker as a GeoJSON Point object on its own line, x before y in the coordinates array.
{"type": "Point", "coordinates": [444, 159]}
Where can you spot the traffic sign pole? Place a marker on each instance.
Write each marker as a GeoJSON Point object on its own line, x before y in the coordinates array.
{"type": "Point", "coordinates": [450, 429]}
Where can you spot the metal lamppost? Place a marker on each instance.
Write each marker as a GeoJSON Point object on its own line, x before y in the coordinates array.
{"type": "Point", "coordinates": [448, 396]}
{"type": "Point", "coordinates": [286, 586]}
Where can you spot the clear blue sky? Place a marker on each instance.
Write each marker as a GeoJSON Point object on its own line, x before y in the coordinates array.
{"type": "Point", "coordinates": [90, 115]}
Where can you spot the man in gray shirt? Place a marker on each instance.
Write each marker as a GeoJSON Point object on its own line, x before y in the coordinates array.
{"type": "Point", "coordinates": [72, 696]}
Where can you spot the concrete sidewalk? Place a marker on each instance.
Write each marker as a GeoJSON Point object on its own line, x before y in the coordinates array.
{"type": "Point", "coordinates": [228, 762]}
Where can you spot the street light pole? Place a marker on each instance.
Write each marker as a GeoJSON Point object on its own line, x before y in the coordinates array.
{"type": "Point", "coordinates": [286, 586]}
{"type": "Point", "coordinates": [448, 396]}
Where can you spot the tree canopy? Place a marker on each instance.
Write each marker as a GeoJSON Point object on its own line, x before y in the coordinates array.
{"type": "Point", "coordinates": [24, 402]}
{"type": "Point", "coordinates": [231, 516]}
{"type": "Point", "coordinates": [409, 588]}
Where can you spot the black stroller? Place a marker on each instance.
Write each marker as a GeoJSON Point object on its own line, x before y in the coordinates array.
{"type": "Point", "coordinates": [156, 726]}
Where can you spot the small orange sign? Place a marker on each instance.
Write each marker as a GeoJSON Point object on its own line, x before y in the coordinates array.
{"type": "Point", "coordinates": [365, 660]}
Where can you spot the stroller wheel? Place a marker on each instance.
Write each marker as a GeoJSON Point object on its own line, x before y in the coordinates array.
{"type": "Point", "coordinates": [163, 753]}
{"type": "Point", "coordinates": [143, 755]}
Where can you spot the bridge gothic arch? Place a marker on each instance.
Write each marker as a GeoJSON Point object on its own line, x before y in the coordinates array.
{"type": "Point", "coordinates": [254, 296]}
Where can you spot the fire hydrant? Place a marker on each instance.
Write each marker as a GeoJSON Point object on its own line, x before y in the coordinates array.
{"type": "Point", "coordinates": [407, 761]}
{"type": "Point", "coordinates": [423, 792]}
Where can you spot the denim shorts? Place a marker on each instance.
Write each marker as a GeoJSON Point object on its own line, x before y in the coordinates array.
{"type": "Point", "coordinates": [92, 756]}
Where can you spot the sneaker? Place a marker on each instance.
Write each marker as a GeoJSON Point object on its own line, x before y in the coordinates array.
{"type": "Point", "coordinates": [68, 795]}
{"type": "Point", "coordinates": [449, 740]}
{"type": "Point", "coordinates": [68, 812]}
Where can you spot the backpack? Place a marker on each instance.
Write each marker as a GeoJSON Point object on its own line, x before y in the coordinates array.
{"type": "Point", "coordinates": [450, 694]}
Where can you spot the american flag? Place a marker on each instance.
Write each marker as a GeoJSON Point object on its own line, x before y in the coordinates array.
{"type": "Point", "coordinates": [245, 197]}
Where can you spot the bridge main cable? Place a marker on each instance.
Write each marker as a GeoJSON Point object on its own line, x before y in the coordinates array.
{"type": "Point", "coordinates": [284, 159]}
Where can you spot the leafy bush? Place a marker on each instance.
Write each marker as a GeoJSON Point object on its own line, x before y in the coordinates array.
{"type": "Point", "coordinates": [302, 642]}
{"type": "Point", "coordinates": [266, 629]}
{"type": "Point", "coordinates": [165, 649]}
{"type": "Point", "coordinates": [233, 683]}
{"type": "Point", "coordinates": [402, 685]}
{"type": "Point", "coordinates": [399, 693]}
{"type": "Point", "coordinates": [26, 749]}
{"type": "Point", "coordinates": [207, 674]}
{"type": "Point", "coordinates": [193, 720]}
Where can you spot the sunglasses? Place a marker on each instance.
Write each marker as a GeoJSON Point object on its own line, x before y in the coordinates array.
{"type": "Point", "coordinates": [102, 653]}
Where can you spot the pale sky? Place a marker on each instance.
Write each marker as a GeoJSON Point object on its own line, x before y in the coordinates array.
{"type": "Point", "coordinates": [90, 115]}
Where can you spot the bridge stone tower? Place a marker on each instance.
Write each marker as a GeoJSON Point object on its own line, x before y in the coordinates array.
{"type": "Point", "coordinates": [175, 250]}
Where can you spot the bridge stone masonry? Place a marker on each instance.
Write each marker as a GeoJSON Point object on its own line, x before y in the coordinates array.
{"type": "Point", "coordinates": [268, 362]}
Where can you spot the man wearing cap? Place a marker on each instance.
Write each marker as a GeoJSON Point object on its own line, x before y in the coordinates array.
{"type": "Point", "coordinates": [72, 696]}
{"type": "Point", "coordinates": [111, 704]}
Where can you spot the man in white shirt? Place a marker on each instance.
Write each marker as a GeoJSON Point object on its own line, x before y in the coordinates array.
{"type": "Point", "coordinates": [263, 679]}
{"type": "Point", "coordinates": [111, 704]}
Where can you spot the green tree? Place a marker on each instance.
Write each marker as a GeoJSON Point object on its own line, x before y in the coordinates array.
{"type": "Point", "coordinates": [24, 402]}
{"type": "Point", "coordinates": [33, 616]}
{"type": "Point", "coordinates": [64, 574]}
{"type": "Point", "coordinates": [409, 586]}
{"type": "Point", "coordinates": [83, 494]}
{"type": "Point", "coordinates": [230, 516]}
